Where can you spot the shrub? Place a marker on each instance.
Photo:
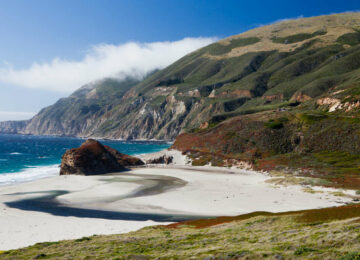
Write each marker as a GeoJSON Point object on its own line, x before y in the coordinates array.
{"type": "Point", "coordinates": [351, 256]}
{"type": "Point", "coordinates": [303, 250]}
{"type": "Point", "coordinates": [297, 37]}
{"type": "Point", "coordinates": [311, 118]}
{"type": "Point", "coordinates": [349, 38]}
{"type": "Point", "coordinates": [83, 239]}
{"type": "Point", "coordinates": [219, 49]}
{"type": "Point", "coordinates": [274, 124]}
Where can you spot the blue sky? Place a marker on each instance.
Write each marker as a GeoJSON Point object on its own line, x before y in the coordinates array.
{"type": "Point", "coordinates": [39, 31]}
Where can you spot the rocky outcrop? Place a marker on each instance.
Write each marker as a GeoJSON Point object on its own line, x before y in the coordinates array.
{"type": "Point", "coordinates": [204, 125]}
{"type": "Point", "coordinates": [124, 159]}
{"type": "Point", "coordinates": [161, 160]}
{"type": "Point", "coordinates": [333, 103]}
{"type": "Point", "coordinates": [300, 97]}
{"type": "Point", "coordinates": [236, 93]}
{"type": "Point", "coordinates": [273, 97]}
{"type": "Point", "coordinates": [93, 158]}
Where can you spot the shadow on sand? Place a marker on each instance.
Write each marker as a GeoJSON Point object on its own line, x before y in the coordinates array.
{"type": "Point", "coordinates": [149, 185]}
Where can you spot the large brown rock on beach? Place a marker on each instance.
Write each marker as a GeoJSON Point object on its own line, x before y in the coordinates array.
{"type": "Point", "coordinates": [94, 158]}
{"type": "Point", "coordinates": [124, 159]}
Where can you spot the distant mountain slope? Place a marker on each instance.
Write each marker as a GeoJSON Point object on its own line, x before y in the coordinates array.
{"type": "Point", "coordinates": [274, 66]}
{"type": "Point", "coordinates": [78, 115]}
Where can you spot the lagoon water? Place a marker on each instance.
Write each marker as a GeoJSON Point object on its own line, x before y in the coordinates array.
{"type": "Point", "coordinates": [25, 157]}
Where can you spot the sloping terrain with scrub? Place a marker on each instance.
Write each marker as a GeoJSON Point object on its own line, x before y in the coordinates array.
{"type": "Point", "coordinates": [271, 67]}
{"type": "Point", "coordinates": [311, 234]}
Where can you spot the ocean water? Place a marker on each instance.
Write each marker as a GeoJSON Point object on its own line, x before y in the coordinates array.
{"type": "Point", "coordinates": [24, 158]}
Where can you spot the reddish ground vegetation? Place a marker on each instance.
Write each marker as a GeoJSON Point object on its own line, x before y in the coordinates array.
{"type": "Point", "coordinates": [303, 216]}
{"type": "Point", "coordinates": [325, 146]}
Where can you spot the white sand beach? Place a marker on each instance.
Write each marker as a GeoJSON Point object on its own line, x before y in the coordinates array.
{"type": "Point", "coordinates": [78, 205]}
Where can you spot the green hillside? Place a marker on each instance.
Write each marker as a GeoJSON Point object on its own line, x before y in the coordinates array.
{"type": "Point", "coordinates": [291, 63]}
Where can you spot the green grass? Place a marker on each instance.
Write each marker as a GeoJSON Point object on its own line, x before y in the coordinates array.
{"type": "Point", "coordinates": [83, 239]}
{"type": "Point", "coordinates": [309, 118]}
{"type": "Point", "coordinates": [274, 124]}
{"type": "Point", "coordinates": [219, 49]}
{"type": "Point", "coordinates": [349, 38]}
{"type": "Point", "coordinates": [303, 250]}
{"type": "Point", "coordinates": [158, 101]}
{"type": "Point", "coordinates": [341, 161]}
{"type": "Point", "coordinates": [297, 37]}
{"type": "Point", "coordinates": [234, 104]}
{"type": "Point", "coordinates": [351, 256]}
{"type": "Point", "coordinates": [288, 235]}
{"type": "Point", "coordinates": [245, 110]}
{"type": "Point", "coordinates": [311, 71]}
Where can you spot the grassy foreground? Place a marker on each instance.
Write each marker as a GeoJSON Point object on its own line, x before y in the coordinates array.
{"type": "Point", "coordinates": [332, 233]}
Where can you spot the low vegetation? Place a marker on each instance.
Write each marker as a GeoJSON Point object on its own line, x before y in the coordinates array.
{"type": "Point", "coordinates": [310, 143]}
{"type": "Point", "coordinates": [350, 38]}
{"type": "Point", "coordinates": [331, 233]}
{"type": "Point", "coordinates": [297, 37]}
{"type": "Point", "coordinates": [220, 48]}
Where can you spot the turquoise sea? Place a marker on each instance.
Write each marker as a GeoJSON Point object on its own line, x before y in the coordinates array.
{"type": "Point", "coordinates": [25, 157]}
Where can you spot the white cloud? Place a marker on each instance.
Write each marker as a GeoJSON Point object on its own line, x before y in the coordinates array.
{"type": "Point", "coordinates": [6, 115]}
{"type": "Point", "coordinates": [104, 60]}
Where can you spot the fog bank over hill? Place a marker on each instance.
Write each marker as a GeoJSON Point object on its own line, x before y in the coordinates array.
{"type": "Point", "coordinates": [133, 59]}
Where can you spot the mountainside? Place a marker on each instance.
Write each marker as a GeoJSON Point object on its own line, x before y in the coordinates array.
{"type": "Point", "coordinates": [312, 63]}
{"type": "Point", "coordinates": [81, 114]}
{"type": "Point", "coordinates": [306, 121]}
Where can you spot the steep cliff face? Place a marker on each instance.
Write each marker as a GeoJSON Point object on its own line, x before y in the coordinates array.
{"type": "Point", "coordinates": [78, 115]}
{"type": "Point", "coordinates": [13, 127]}
{"type": "Point", "coordinates": [271, 67]}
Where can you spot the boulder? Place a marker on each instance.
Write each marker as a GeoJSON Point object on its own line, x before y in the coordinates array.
{"type": "Point", "coordinates": [161, 160]}
{"type": "Point", "coordinates": [124, 159]}
{"type": "Point", "coordinates": [94, 158]}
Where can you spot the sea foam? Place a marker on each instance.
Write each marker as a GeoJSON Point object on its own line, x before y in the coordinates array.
{"type": "Point", "coordinates": [29, 174]}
